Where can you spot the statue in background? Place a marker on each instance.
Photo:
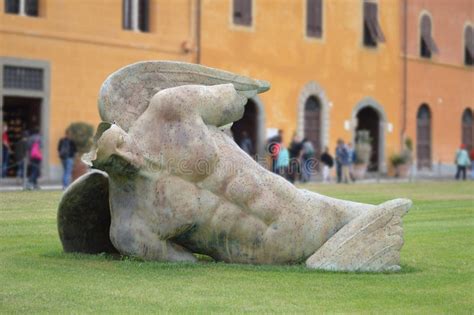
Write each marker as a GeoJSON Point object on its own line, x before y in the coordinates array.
{"type": "Point", "coordinates": [169, 182]}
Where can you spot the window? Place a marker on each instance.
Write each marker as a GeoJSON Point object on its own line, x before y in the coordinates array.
{"type": "Point", "coordinates": [423, 137]}
{"type": "Point", "coordinates": [22, 78]}
{"type": "Point", "coordinates": [314, 18]}
{"type": "Point", "coordinates": [22, 7]}
{"type": "Point", "coordinates": [135, 15]}
{"type": "Point", "coordinates": [467, 129]}
{"type": "Point", "coordinates": [427, 43]}
{"type": "Point", "coordinates": [469, 46]}
{"type": "Point", "coordinates": [242, 12]}
{"type": "Point", "coordinates": [372, 30]}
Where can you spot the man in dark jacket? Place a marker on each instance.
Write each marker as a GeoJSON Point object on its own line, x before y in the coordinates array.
{"type": "Point", "coordinates": [295, 149]}
{"type": "Point", "coordinates": [67, 151]}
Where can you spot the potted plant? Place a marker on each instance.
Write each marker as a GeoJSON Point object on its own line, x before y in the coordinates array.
{"type": "Point", "coordinates": [81, 135]}
{"type": "Point", "coordinates": [401, 162]}
{"type": "Point", "coordinates": [363, 151]}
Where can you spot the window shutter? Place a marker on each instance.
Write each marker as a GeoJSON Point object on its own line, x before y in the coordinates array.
{"type": "Point", "coordinates": [375, 23]}
{"type": "Point", "coordinates": [425, 26]}
{"type": "Point", "coordinates": [127, 14]}
{"type": "Point", "coordinates": [144, 15]}
{"type": "Point", "coordinates": [314, 25]}
{"type": "Point", "coordinates": [469, 41]}
{"type": "Point", "coordinates": [237, 7]}
{"type": "Point", "coordinates": [31, 7]}
{"type": "Point", "coordinates": [319, 17]}
{"type": "Point", "coordinates": [426, 34]}
{"type": "Point", "coordinates": [247, 12]}
{"type": "Point", "coordinates": [12, 6]}
{"type": "Point", "coordinates": [370, 16]}
{"type": "Point", "coordinates": [311, 18]}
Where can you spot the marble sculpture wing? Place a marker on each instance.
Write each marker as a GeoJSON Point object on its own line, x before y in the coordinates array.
{"type": "Point", "coordinates": [125, 94]}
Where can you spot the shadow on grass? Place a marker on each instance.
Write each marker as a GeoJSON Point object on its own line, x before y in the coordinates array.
{"type": "Point", "coordinates": [206, 262]}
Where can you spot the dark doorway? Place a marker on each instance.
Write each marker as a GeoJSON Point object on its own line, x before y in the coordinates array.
{"type": "Point", "coordinates": [248, 124]}
{"type": "Point", "coordinates": [369, 119]}
{"type": "Point", "coordinates": [423, 137]}
{"type": "Point", "coordinates": [468, 129]}
{"type": "Point", "coordinates": [312, 122]}
{"type": "Point", "coordinates": [21, 114]}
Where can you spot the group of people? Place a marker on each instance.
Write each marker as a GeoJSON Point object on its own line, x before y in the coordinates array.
{"type": "Point", "coordinates": [300, 160]}
{"type": "Point", "coordinates": [28, 154]}
{"type": "Point", "coordinates": [295, 162]}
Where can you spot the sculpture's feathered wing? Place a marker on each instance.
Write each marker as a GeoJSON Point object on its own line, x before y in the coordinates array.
{"type": "Point", "coordinates": [125, 94]}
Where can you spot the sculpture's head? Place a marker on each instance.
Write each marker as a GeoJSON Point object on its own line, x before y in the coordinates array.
{"type": "Point", "coordinates": [114, 151]}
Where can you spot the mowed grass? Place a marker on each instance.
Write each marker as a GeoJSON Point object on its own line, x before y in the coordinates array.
{"type": "Point", "coordinates": [437, 260]}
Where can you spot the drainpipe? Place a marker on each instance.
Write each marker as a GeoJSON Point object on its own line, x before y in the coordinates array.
{"type": "Point", "coordinates": [405, 74]}
{"type": "Point", "coordinates": [198, 31]}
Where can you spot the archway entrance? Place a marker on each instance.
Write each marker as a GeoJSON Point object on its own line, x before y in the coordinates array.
{"type": "Point", "coordinates": [467, 129]}
{"type": "Point", "coordinates": [369, 119]}
{"type": "Point", "coordinates": [249, 125]}
{"type": "Point", "coordinates": [423, 137]}
{"type": "Point", "coordinates": [312, 122]}
{"type": "Point", "coordinates": [20, 114]}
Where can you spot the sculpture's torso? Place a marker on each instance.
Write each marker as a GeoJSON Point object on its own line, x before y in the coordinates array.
{"type": "Point", "coordinates": [238, 213]}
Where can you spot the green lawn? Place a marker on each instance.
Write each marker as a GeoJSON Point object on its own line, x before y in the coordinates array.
{"type": "Point", "coordinates": [437, 261]}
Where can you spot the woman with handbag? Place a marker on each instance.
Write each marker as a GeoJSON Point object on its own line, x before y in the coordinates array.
{"type": "Point", "coordinates": [36, 156]}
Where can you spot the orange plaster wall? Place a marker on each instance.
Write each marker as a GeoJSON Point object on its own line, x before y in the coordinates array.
{"type": "Point", "coordinates": [443, 82]}
{"type": "Point", "coordinates": [275, 49]}
{"type": "Point", "coordinates": [82, 52]}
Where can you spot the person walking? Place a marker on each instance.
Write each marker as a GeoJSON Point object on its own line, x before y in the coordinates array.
{"type": "Point", "coordinates": [21, 156]}
{"type": "Point", "coordinates": [35, 158]}
{"type": "Point", "coordinates": [283, 162]}
{"type": "Point", "coordinates": [67, 151]}
{"type": "Point", "coordinates": [328, 162]}
{"type": "Point", "coordinates": [6, 149]}
{"type": "Point", "coordinates": [462, 162]}
{"type": "Point", "coordinates": [295, 150]}
{"type": "Point", "coordinates": [307, 157]}
{"type": "Point", "coordinates": [273, 147]}
{"type": "Point", "coordinates": [342, 162]}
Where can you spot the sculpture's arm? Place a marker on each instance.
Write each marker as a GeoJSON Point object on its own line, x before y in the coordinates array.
{"type": "Point", "coordinates": [217, 105]}
{"type": "Point", "coordinates": [136, 239]}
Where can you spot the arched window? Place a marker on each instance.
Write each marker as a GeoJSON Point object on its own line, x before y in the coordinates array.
{"type": "Point", "coordinates": [469, 46]}
{"type": "Point", "coordinates": [427, 43]}
{"type": "Point", "coordinates": [423, 137]}
{"type": "Point", "coordinates": [467, 129]}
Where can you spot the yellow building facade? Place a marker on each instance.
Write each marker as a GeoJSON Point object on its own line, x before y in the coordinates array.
{"type": "Point", "coordinates": [324, 87]}
{"type": "Point", "coordinates": [343, 74]}
{"type": "Point", "coordinates": [77, 44]}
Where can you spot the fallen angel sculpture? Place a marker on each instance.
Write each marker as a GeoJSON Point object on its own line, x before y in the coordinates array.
{"type": "Point", "coordinates": [168, 182]}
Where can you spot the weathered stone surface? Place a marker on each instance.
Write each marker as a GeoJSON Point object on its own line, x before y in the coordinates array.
{"type": "Point", "coordinates": [179, 185]}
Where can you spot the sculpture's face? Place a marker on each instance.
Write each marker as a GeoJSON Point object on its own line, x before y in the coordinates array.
{"type": "Point", "coordinates": [115, 148]}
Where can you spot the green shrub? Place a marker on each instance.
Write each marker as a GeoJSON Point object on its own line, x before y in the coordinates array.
{"type": "Point", "coordinates": [397, 159]}
{"type": "Point", "coordinates": [81, 134]}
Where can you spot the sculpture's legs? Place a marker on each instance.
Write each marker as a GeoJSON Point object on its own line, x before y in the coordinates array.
{"type": "Point", "coordinates": [370, 242]}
